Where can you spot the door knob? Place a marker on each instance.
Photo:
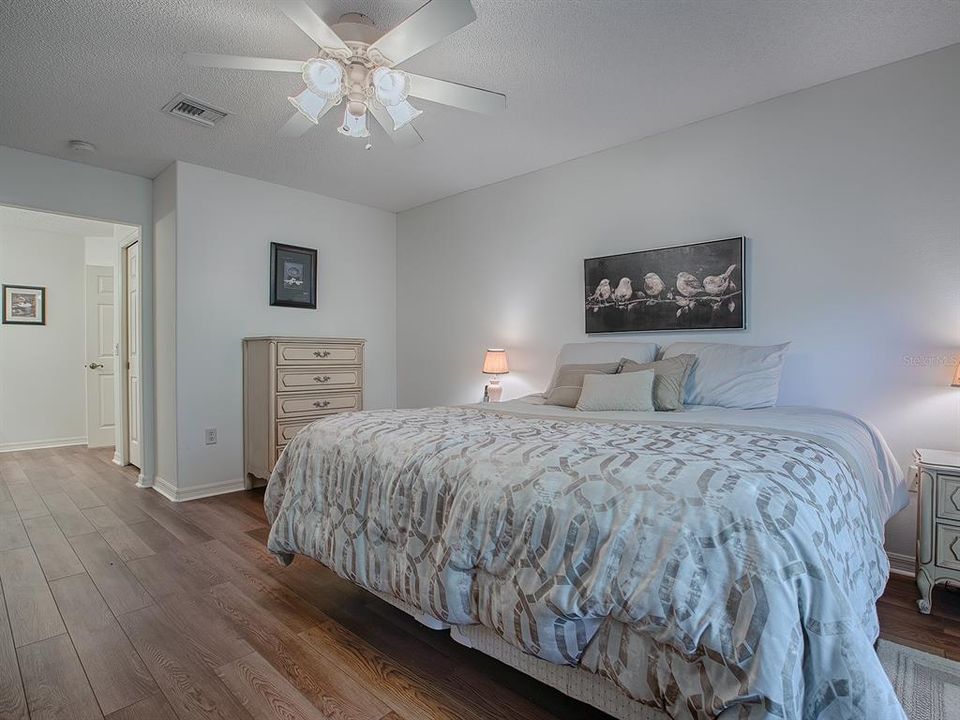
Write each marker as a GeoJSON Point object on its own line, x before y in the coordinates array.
{"type": "Point", "coordinates": [95, 366]}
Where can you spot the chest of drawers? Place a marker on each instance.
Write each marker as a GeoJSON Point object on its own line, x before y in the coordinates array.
{"type": "Point", "coordinates": [288, 382]}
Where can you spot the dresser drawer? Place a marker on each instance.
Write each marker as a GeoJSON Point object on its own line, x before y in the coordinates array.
{"type": "Point", "coordinates": [318, 354]}
{"type": "Point", "coordinates": [280, 450]}
{"type": "Point", "coordinates": [316, 378]}
{"type": "Point", "coordinates": [316, 405]}
{"type": "Point", "coordinates": [948, 546]}
{"type": "Point", "coordinates": [948, 497]}
{"type": "Point", "coordinates": [287, 430]}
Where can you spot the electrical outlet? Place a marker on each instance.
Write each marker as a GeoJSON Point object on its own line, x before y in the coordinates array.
{"type": "Point", "coordinates": [210, 435]}
{"type": "Point", "coordinates": [914, 478]}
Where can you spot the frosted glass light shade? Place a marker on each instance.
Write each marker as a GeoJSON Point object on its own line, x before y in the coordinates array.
{"type": "Point", "coordinates": [323, 78]}
{"type": "Point", "coordinates": [390, 86]}
{"type": "Point", "coordinates": [956, 376]}
{"type": "Point", "coordinates": [311, 105]}
{"type": "Point", "coordinates": [354, 121]}
{"type": "Point", "coordinates": [402, 113]}
{"type": "Point", "coordinates": [495, 362]}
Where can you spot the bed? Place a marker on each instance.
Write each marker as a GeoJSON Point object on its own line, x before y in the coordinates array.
{"type": "Point", "coordinates": [706, 563]}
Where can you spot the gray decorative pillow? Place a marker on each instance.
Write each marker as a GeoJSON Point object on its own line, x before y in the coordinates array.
{"type": "Point", "coordinates": [568, 382]}
{"type": "Point", "coordinates": [669, 381]}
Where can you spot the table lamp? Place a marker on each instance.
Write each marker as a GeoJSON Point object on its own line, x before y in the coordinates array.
{"type": "Point", "coordinates": [494, 363]}
{"type": "Point", "coordinates": [956, 376]}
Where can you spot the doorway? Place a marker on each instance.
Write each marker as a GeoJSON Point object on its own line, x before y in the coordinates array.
{"type": "Point", "coordinates": [73, 379]}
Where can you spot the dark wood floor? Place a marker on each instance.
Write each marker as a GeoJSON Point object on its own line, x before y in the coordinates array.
{"type": "Point", "coordinates": [117, 603]}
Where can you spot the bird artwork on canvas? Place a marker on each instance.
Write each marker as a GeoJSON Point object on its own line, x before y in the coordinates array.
{"type": "Point", "coordinates": [643, 300]}
{"type": "Point", "coordinates": [718, 284]}
{"type": "Point", "coordinates": [603, 291]}
{"type": "Point", "coordinates": [624, 291]}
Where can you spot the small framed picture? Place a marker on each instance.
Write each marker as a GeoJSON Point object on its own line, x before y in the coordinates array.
{"type": "Point", "coordinates": [24, 305]}
{"type": "Point", "coordinates": [293, 276]}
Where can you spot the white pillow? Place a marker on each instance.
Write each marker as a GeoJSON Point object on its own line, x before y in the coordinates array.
{"type": "Point", "coordinates": [732, 376]}
{"type": "Point", "coordinates": [603, 352]}
{"type": "Point", "coordinates": [627, 391]}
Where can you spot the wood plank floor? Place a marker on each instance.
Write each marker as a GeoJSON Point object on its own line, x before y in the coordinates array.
{"type": "Point", "coordinates": [117, 603]}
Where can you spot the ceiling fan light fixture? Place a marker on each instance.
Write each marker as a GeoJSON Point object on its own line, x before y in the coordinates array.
{"type": "Point", "coordinates": [390, 86]}
{"type": "Point", "coordinates": [402, 114]}
{"type": "Point", "coordinates": [354, 121]}
{"type": "Point", "coordinates": [310, 105]}
{"type": "Point", "coordinates": [324, 78]}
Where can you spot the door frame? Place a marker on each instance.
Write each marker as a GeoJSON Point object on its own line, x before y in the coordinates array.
{"type": "Point", "coordinates": [121, 455]}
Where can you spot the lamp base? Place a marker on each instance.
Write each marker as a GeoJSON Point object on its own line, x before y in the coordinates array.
{"type": "Point", "coordinates": [493, 391]}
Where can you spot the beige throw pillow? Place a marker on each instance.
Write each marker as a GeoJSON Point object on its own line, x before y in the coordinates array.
{"type": "Point", "coordinates": [668, 384]}
{"type": "Point", "coordinates": [626, 391]}
{"type": "Point", "coordinates": [566, 387]}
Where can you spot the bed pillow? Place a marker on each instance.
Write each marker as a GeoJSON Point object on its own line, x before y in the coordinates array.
{"type": "Point", "coordinates": [602, 352]}
{"type": "Point", "coordinates": [732, 376]}
{"type": "Point", "coordinates": [568, 381]}
{"type": "Point", "coordinates": [669, 380]}
{"type": "Point", "coordinates": [624, 391]}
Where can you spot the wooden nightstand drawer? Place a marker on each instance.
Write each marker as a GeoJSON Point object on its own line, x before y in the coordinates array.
{"type": "Point", "coordinates": [948, 546]}
{"type": "Point", "coordinates": [948, 497]}
{"type": "Point", "coordinates": [300, 379]}
{"type": "Point", "coordinates": [289, 353]}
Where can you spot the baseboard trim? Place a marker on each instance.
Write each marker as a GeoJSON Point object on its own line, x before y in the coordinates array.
{"type": "Point", "coordinates": [902, 564]}
{"type": "Point", "coordinates": [199, 491]}
{"type": "Point", "coordinates": [42, 444]}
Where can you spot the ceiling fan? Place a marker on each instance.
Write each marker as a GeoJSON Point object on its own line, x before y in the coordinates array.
{"type": "Point", "coordinates": [356, 66]}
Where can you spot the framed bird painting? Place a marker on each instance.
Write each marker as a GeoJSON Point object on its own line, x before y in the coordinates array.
{"type": "Point", "coordinates": [687, 287]}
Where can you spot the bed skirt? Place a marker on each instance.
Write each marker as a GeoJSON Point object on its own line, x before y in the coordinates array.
{"type": "Point", "coordinates": [582, 685]}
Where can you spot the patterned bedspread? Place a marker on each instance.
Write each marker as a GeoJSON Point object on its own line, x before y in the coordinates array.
{"type": "Point", "coordinates": [703, 567]}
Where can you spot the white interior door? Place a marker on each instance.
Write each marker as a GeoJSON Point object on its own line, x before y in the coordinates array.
{"type": "Point", "coordinates": [132, 322]}
{"type": "Point", "coordinates": [101, 429]}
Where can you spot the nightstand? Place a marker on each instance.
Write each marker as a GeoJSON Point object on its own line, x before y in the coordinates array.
{"type": "Point", "coordinates": [938, 522]}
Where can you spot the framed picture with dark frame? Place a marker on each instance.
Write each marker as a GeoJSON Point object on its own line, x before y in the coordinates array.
{"type": "Point", "coordinates": [293, 276]}
{"type": "Point", "coordinates": [699, 286]}
{"type": "Point", "coordinates": [24, 305]}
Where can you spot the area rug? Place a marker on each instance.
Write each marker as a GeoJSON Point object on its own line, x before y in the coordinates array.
{"type": "Point", "coordinates": [927, 685]}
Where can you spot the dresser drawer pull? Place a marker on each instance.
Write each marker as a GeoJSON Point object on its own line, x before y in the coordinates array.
{"type": "Point", "coordinates": [321, 378]}
{"type": "Point", "coordinates": [323, 404]}
{"type": "Point", "coordinates": [321, 353]}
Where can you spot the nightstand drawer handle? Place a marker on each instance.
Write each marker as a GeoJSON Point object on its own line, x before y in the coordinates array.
{"type": "Point", "coordinates": [321, 378]}
{"type": "Point", "coordinates": [323, 404]}
{"type": "Point", "coordinates": [321, 353]}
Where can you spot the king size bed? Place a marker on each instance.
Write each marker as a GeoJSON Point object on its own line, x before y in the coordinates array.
{"type": "Point", "coordinates": [714, 562]}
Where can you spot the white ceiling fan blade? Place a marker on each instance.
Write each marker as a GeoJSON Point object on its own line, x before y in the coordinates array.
{"type": "Point", "coordinates": [239, 62]}
{"type": "Point", "coordinates": [456, 95]}
{"type": "Point", "coordinates": [296, 126]}
{"type": "Point", "coordinates": [307, 20]}
{"type": "Point", "coordinates": [428, 25]}
{"type": "Point", "coordinates": [407, 136]}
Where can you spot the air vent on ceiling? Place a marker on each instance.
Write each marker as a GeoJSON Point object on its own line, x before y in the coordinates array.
{"type": "Point", "coordinates": [194, 110]}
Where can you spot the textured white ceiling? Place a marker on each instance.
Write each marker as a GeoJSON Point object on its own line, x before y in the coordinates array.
{"type": "Point", "coordinates": [579, 75]}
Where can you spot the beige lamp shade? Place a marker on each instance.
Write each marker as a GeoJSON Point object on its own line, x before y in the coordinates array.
{"type": "Point", "coordinates": [956, 376]}
{"type": "Point", "coordinates": [495, 362]}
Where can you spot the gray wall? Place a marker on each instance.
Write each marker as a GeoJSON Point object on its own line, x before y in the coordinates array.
{"type": "Point", "coordinates": [847, 191]}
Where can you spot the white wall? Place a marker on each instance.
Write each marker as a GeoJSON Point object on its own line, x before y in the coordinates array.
{"type": "Point", "coordinates": [42, 379]}
{"type": "Point", "coordinates": [224, 225]}
{"type": "Point", "coordinates": [44, 183]}
{"type": "Point", "coordinates": [165, 321]}
{"type": "Point", "coordinates": [100, 251]}
{"type": "Point", "coordinates": [847, 191]}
